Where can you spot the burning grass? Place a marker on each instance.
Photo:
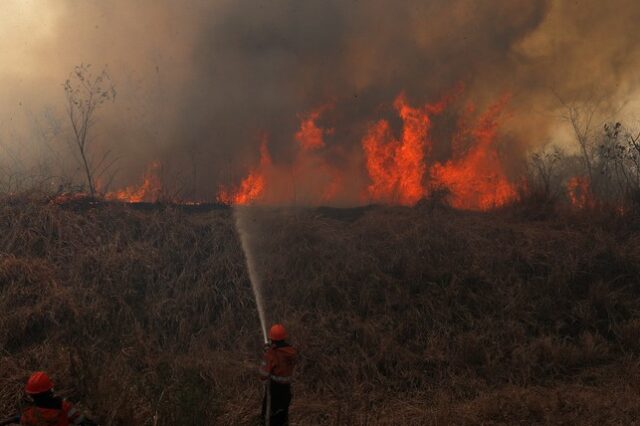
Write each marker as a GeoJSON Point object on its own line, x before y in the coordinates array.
{"type": "Point", "coordinates": [418, 315]}
{"type": "Point", "coordinates": [399, 164]}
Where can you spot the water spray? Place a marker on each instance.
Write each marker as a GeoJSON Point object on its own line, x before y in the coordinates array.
{"type": "Point", "coordinates": [242, 219]}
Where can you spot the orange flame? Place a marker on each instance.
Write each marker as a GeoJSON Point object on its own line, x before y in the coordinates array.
{"type": "Point", "coordinates": [477, 179]}
{"type": "Point", "coordinates": [309, 179]}
{"type": "Point", "coordinates": [579, 192]}
{"type": "Point", "coordinates": [315, 175]}
{"type": "Point", "coordinates": [310, 136]}
{"type": "Point", "coordinates": [397, 167]}
{"type": "Point", "coordinates": [252, 187]}
{"type": "Point", "coordinates": [149, 191]}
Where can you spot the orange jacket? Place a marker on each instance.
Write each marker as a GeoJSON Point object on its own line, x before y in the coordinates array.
{"type": "Point", "coordinates": [278, 363]}
{"type": "Point", "coordinates": [64, 416]}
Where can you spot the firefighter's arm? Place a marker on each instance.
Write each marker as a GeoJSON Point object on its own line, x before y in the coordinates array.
{"type": "Point", "coordinates": [266, 366]}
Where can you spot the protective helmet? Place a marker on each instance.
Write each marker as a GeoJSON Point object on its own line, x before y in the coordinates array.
{"type": "Point", "coordinates": [39, 382]}
{"type": "Point", "coordinates": [277, 332]}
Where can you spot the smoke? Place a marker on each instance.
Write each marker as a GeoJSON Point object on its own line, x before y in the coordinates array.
{"type": "Point", "coordinates": [198, 82]}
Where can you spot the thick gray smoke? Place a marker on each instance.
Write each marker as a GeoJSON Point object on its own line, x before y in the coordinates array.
{"type": "Point", "coordinates": [199, 81]}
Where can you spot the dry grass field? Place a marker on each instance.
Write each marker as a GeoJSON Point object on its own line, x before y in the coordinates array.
{"type": "Point", "coordinates": [420, 315]}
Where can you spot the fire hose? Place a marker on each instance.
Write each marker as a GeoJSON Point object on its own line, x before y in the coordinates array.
{"type": "Point", "coordinates": [267, 394]}
{"type": "Point", "coordinates": [267, 415]}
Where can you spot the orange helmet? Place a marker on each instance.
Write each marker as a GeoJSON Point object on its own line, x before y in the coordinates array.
{"type": "Point", "coordinates": [39, 382]}
{"type": "Point", "coordinates": [277, 332]}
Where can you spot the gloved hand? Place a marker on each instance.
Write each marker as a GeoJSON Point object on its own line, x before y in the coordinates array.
{"type": "Point", "coordinates": [267, 346]}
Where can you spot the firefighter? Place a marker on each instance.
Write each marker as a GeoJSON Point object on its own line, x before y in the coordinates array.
{"type": "Point", "coordinates": [277, 370]}
{"type": "Point", "coordinates": [48, 409]}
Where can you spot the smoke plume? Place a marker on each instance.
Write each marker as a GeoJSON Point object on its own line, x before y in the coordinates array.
{"type": "Point", "coordinates": [202, 83]}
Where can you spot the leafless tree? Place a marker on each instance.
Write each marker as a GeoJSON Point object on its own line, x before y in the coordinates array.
{"type": "Point", "coordinates": [585, 118]}
{"type": "Point", "coordinates": [619, 155]}
{"type": "Point", "coordinates": [543, 171]}
{"type": "Point", "coordinates": [581, 118]}
{"type": "Point", "coordinates": [85, 93]}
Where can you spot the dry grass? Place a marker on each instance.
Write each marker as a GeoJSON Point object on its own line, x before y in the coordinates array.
{"type": "Point", "coordinates": [402, 316]}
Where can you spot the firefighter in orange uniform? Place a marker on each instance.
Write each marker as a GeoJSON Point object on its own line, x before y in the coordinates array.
{"type": "Point", "coordinates": [277, 369]}
{"type": "Point", "coordinates": [48, 409]}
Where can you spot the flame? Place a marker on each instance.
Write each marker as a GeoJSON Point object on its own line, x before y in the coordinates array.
{"type": "Point", "coordinates": [309, 179]}
{"type": "Point", "coordinates": [252, 187]}
{"type": "Point", "coordinates": [397, 167]}
{"type": "Point", "coordinates": [317, 177]}
{"type": "Point", "coordinates": [310, 136]}
{"type": "Point", "coordinates": [69, 197]}
{"type": "Point", "coordinates": [579, 192]}
{"type": "Point", "coordinates": [476, 179]}
{"type": "Point", "coordinates": [148, 191]}
{"type": "Point", "coordinates": [400, 169]}
{"type": "Point", "coordinates": [332, 189]}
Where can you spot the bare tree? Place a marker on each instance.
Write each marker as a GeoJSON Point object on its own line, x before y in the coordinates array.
{"type": "Point", "coordinates": [619, 154]}
{"type": "Point", "coordinates": [585, 117]}
{"type": "Point", "coordinates": [85, 93]}
{"type": "Point", "coordinates": [581, 119]}
{"type": "Point", "coordinates": [543, 171]}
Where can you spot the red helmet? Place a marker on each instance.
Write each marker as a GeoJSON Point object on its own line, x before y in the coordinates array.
{"type": "Point", "coordinates": [39, 382]}
{"type": "Point", "coordinates": [277, 332]}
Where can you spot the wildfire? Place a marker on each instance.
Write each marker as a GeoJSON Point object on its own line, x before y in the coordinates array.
{"type": "Point", "coordinates": [252, 187]}
{"type": "Point", "coordinates": [477, 179]}
{"type": "Point", "coordinates": [396, 167]}
{"type": "Point", "coordinates": [579, 192]}
{"type": "Point", "coordinates": [310, 136]}
{"type": "Point", "coordinates": [149, 190]}
{"type": "Point", "coordinates": [309, 179]}
{"type": "Point", "coordinates": [400, 168]}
